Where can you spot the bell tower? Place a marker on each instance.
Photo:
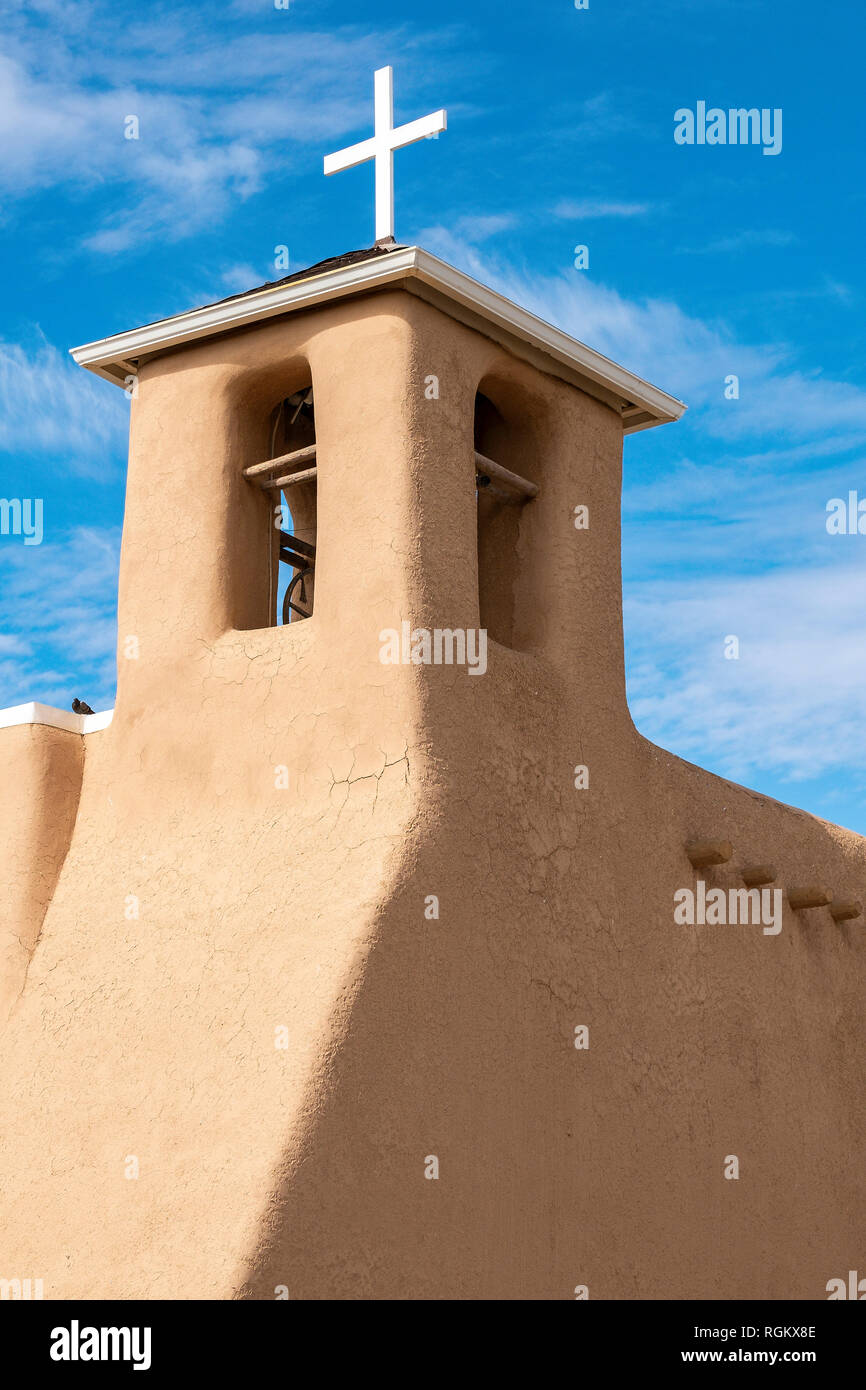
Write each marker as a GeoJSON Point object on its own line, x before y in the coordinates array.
{"type": "Point", "coordinates": [376, 440]}
{"type": "Point", "coordinates": [354, 927]}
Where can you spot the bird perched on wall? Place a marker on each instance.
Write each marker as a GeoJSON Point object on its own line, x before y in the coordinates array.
{"type": "Point", "coordinates": [81, 708]}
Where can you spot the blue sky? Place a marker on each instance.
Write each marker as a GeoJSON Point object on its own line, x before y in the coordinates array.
{"type": "Point", "coordinates": [704, 261]}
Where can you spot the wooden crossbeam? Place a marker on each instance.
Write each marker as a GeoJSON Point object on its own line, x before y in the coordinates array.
{"type": "Point", "coordinates": [296, 543]}
{"type": "Point", "coordinates": [486, 466]}
{"type": "Point", "coordinates": [256, 470]}
{"type": "Point", "coordinates": [298, 553]}
{"type": "Point", "coordinates": [290, 479]}
{"type": "Point", "coordinates": [295, 559]}
{"type": "Point", "coordinates": [491, 469]}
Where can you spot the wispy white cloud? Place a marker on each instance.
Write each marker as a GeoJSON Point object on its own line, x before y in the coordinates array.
{"type": "Point", "coordinates": [59, 612]}
{"type": "Point", "coordinates": [482, 226]}
{"type": "Point", "coordinates": [826, 290]}
{"type": "Point", "coordinates": [589, 209]}
{"type": "Point", "coordinates": [214, 115]}
{"type": "Point", "coordinates": [744, 240]}
{"type": "Point", "coordinates": [605, 114]}
{"type": "Point", "coordinates": [721, 518]}
{"type": "Point", "coordinates": [54, 133]}
{"type": "Point", "coordinates": [688, 356]}
{"type": "Point", "coordinates": [804, 453]}
{"type": "Point", "coordinates": [793, 703]}
{"type": "Point", "coordinates": [237, 278]}
{"type": "Point", "coordinates": [49, 405]}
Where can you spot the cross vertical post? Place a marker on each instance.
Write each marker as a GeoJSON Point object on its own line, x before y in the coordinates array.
{"type": "Point", "coordinates": [383, 111]}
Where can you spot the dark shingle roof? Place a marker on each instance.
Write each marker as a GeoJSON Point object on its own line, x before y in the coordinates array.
{"type": "Point", "coordinates": [320, 268]}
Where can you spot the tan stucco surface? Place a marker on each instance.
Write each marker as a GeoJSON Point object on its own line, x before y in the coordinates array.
{"type": "Point", "coordinates": [302, 907]}
{"type": "Point", "coordinates": [40, 774]}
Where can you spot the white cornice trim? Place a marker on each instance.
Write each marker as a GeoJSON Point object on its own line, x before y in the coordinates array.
{"type": "Point", "coordinates": [111, 357]}
{"type": "Point", "coordinates": [73, 723]}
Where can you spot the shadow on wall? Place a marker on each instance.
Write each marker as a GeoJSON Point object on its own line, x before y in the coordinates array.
{"type": "Point", "coordinates": [509, 429]}
{"type": "Point", "coordinates": [553, 1168]}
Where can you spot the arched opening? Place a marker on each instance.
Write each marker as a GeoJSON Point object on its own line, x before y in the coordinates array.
{"type": "Point", "coordinates": [503, 489]}
{"type": "Point", "coordinates": [289, 477]}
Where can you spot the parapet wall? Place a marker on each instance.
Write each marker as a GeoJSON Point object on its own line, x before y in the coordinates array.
{"type": "Point", "coordinates": [42, 764]}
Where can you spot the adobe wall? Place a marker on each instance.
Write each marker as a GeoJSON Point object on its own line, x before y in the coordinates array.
{"type": "Point", "coordinates": [151, 1036]}
{"type": "Point", "coordinates": [605, 1167]}
{"type": "Point", "coordinates": [41, 780]}
{"type": "Point", "coordinates": [203, 905]}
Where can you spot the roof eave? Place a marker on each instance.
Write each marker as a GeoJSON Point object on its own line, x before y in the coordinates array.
{"type": "Point", "coordinates": [114, 358]}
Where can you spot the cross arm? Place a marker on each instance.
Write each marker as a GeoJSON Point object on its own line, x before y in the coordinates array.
{"type": "Point", "coordinates": [419, 130]}
{"type": "Point", "coordinates": [349, 157]}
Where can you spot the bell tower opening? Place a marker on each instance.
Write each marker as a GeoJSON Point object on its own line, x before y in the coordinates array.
{"type": "Point", "coordinates": [289, 477]}
{"type": "Point", "coordinates": [501, 490]}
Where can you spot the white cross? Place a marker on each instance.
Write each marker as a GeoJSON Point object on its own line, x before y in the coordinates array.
{"type": "Point", "coordinates": [381, 148]}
